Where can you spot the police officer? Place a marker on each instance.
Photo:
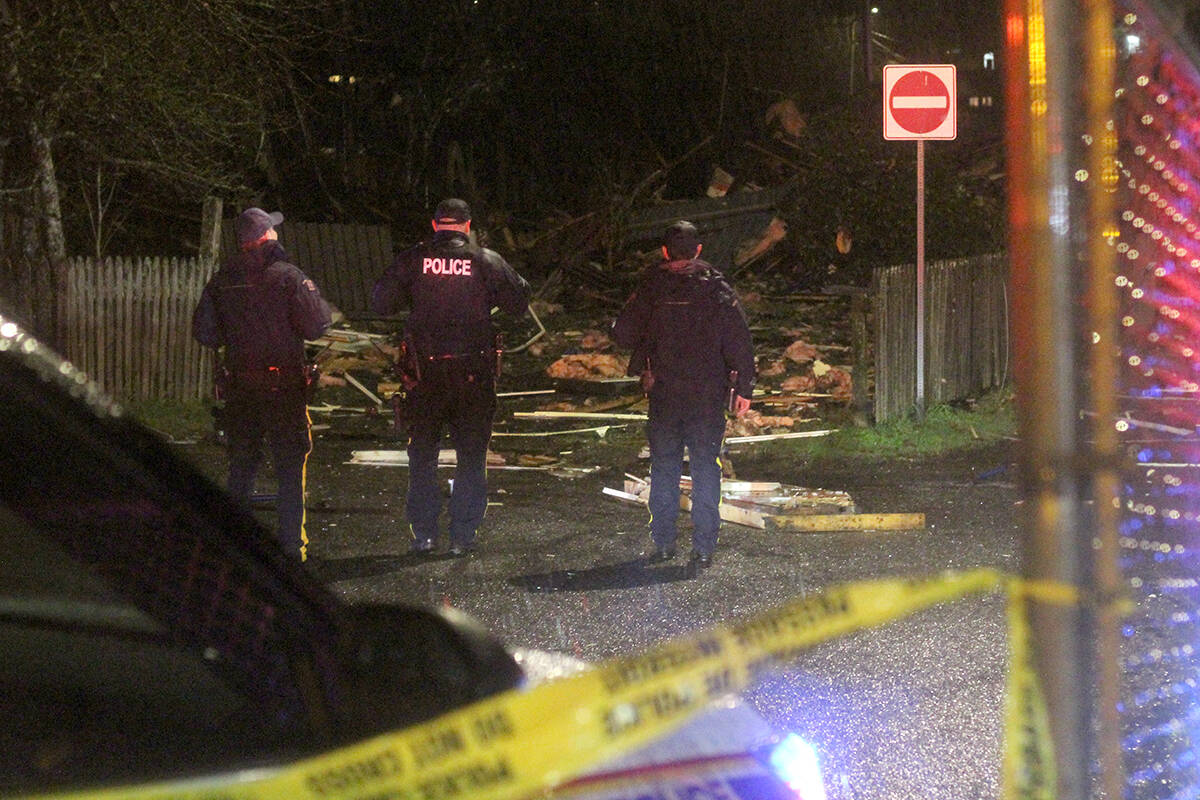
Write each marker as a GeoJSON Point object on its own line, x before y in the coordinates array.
{"type": "Point", "coordinates": [260, 308]}
{"type": "Point", "coordinates": [689, 337]}
{"type": "Point", "coordinates": [451, 286]}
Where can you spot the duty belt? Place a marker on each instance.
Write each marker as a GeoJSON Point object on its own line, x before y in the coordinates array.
{"type": "Point", "coordinates": [273, 378]}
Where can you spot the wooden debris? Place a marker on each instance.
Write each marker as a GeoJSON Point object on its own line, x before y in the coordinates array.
{"type": "Point", "coordinates": [801, 352]}
{"type": "Point", "coordinates": [536, 460]}
{"type": "Point", "coordinates": [588, 366]}
{"type": "Point", "coordinates": [529, 393]}
{"type": "Point", "coordinates": [599, 430]}
{"type": "Point", "coordinates": [719, 183]}
{"type": "Point", "coordinates": [399, 458]}
{"type": "Point", "coordinates": [752, 503]}
{"type": "Point", "coordinates": [775, 233]}
{"type": "Point", "coordinates": [845, 522]}
{"type": "Point", "coordinates": [617, 493]}
{"type": "Point", "coordinates": [754, 423]}
{"type": "Point", "coordinates": [358, 385]}
{"type": "Point", "coordinates": [343, 340]}
{"type": "Point", "coordinates": [575, 415]}
{"type": "Point", "coordinates": [772, 436]}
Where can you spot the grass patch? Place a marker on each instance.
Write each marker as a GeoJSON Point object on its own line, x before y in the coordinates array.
{"type": "Point", "coordinates": [945, 428]}
{"type": "Point", "coordinates": [176, 419]}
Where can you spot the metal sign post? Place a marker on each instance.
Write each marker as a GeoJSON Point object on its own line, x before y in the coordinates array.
{"type": "Point", "coordinates": [919, 103]}
{"type": "Point", "coordinates": [920, 402]}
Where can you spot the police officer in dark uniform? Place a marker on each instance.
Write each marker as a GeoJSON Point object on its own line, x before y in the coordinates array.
{"type": "Point", "coordinates": [692, 346]}
{"type": "Point", "coordinates": [260, 308]}
{"type": "Point", "coordinates": [451, 286]}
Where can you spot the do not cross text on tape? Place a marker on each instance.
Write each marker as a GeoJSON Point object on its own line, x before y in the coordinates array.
{"type": "Point", "coordinates": [524, 742]}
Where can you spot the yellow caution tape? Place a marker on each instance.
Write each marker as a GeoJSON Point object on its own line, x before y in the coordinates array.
{"type": "Point", "coordinates": [1059, 594]}
{"type": "Point", "coordinates": [524, 742]}
{"type": "Point", "coordinates": [1029, 772]}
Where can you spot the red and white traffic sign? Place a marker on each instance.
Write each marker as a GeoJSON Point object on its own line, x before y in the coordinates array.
{"type": "Point", "coordinates": [919, 101]}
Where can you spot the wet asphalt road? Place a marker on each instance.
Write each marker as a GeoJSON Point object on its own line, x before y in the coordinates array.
{"type": "Point", "coordinates": [912, 709]}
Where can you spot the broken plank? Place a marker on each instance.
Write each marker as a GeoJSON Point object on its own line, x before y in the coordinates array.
{"type": "Point", "coordinates": [526, 393]}
{"type": "Point", "coordinates": [574, 415]}
{"type": "Point", "coordinates": [766, 437]}
{"type": "Point", "coordinates": [617, 493]}
{"type": "Point", "coordinates": [765, 396]}
{"type": "Point", "coordinates": [739, 515]}
{"type": "Point", "coordinates": [358, 385]}
{"type": "Point", "coordinates": [749, 487]}
{"type": "Point", "coordinates": [844, 522]}
{"type": "Point", "coordinates": [600, 431]}
{"type": "Point", "coordinates": [397, 458]}
{"type": "Point", "coordinates": [637, 491]}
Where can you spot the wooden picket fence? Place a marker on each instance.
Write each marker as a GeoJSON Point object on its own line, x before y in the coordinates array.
{"type": "Point", "coordinates": [127, 322]}
{"type": "Point", "coordinates": [966, 332]}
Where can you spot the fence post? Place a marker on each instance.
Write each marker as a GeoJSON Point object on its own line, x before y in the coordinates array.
{"type": "Point", "coordinates": [210, 230]}
{"type": "Point", "coordinates": [860, 304]}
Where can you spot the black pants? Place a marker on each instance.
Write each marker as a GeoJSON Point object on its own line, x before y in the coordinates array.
{"type": "Point", "coordinates": [457, 394]}
{"type": "Point", "coordinates": [695, 421]}
{"type": "Point", "coordinates": [254, 415]}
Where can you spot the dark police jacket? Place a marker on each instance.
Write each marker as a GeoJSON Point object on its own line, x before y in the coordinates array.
{"type": "Point", "coordinates": [451, 287]}
{"type": "Point", "coordinates": [261, 309]}
{"type": "Point", "coordinates": [685, 321]}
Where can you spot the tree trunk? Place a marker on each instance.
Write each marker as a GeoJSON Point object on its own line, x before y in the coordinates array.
{"type": "Point", "coordinates": [210, 230]}
{"type": "Point", "coordinates": [53, 243]}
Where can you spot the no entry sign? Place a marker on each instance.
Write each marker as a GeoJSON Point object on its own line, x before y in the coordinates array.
{"type": "Point", "coordinates": [919, 101]}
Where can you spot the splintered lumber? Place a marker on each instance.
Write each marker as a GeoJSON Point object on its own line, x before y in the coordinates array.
{"type": "Point", "coordinates": [600, 430]}
{"type": "Point", "coordinates": [845, 522]}
{"type": "Point", "coordinates": [638, 491]}
{"type": "Point", "coordinates": [767, 437]}
{"type": "Point", "coordinates": [736, 513]}
{"type": "Point", "coordinates": [575, 415]}
{"type": "Point", "coordinates": [728, 485]}
{"type": "Point", "coordinates": [775, 506]}
{"type": "Point", "coordinates": [617, 493]}
{"type": "Point", "coordinates": [399, 458]}
{"type": "Point", "coordinates": [526, 393]}
{"type": "Point", "coordinates": [347, 341]}
{"type": "Point", "coordinates": [358, 385]}
{"type": "Point", "coordinates": [746, 487]}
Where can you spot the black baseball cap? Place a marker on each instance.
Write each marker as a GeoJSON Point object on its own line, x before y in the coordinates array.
{"type": "Point", "coordinates": [254, 222]}
{"type": "Point", "coordinates": [452, 210]}
{"type": "Point", "coordinates": [681, 239]}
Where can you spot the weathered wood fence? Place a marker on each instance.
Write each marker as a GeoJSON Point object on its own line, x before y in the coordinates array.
{"type": "Point", "coordinates": [343, 260]}
{"type": "Point", "coordinates": [966, 332]}
{"type": "Point", "coordinates": [127, 323]}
